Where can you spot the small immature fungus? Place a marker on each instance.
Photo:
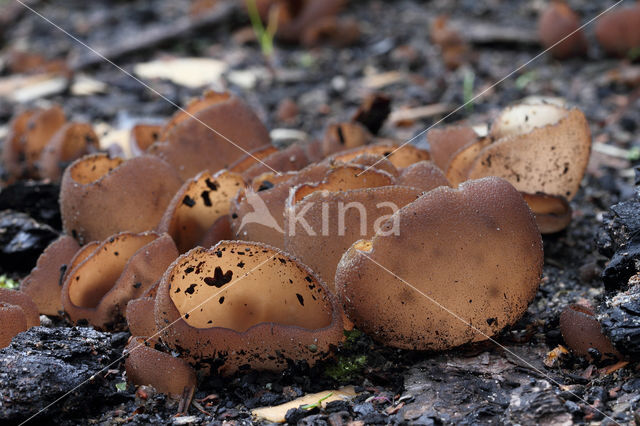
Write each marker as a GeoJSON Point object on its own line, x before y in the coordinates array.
{"type": "Point", "coordinates": [13, 320]}
{"type": "Point", "coordinates": [148, 366]}
{"type": "Point", "coordinates": [44, 283]}
{"type": "Point", "coordinates": [101, 196]}
{"type": "Point", "coordinates": [559, 30]}
{"type": "Point", "coordinates": [582, 333]}
{"type": "Point", "coordinates": [618, 31]}
{"type": "Point", "coordinates": [245, 304]}
{"type": "Point", "coordinates": [143, 136]}
{"type": "Point", "coordinates": [400, 158]}
{"type": "Point", "coordinates": [120, 269]}
{"type": "Point", "coordinates": [476, 251]}
{"type": "Point", "coordinates": [18, 298]}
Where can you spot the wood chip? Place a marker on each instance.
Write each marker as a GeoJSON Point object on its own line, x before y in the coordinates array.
{"type": "Point", "coordinates": [187, 72]}
{"type": "Point", "coordinates": [276, 413]}
{"type": "Point", "coordinates": [409, 115]}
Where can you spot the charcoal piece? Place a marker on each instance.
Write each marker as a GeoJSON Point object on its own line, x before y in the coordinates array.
{"type": "Point", "coordinates": [620, 320]}
{"type": "Point", "coordinates": [620, 240]}
{"type": "Point", "coordinates": [38, 200]}
{"type": "Point", "coordinates": [22, 240]}
{"type": "Point", "coordinates": [35, 371]}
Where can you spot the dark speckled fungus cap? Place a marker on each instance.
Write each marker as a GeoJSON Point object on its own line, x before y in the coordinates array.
{"type": "Point", "coordinates": [243, 303]}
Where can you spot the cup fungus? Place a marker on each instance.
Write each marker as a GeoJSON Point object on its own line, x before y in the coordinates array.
{"type": "Point", "coordinates": [334, 219]}
{"type": "Point", "coordinates": [219, 131]}
{"type": "Point", "coordinates": [618, 31]}
{"type": "Point", "coordinates": [245, 304]}
{"type": "Point", "coordinates": [197, 206]}
{"type": "Point", "coordinates": [28, 307]}
{"type": "Point", "coordinates": [13, 320]}
{"type": "Point", "coordinates": [120, 269]}
{"type": "Point", "coordinates": [292, 158]}
{"type": "Point", "coordinates": [148, 366]}
{"type": "Point", "coordinates": [379, 162]}
{"type": "Point", "coordinates": [295, 18]}
{"type": "Point", "coordinates": [29, 133]}
{"type": "Point", "coordinates": [582, 331]}
{"type": "Point", "coordinates": [539, 148]}
{"type": "Point", "coordinates": [70, 142]}
{"type": "Point", "coordinates": [423, 175]}
{"type": "Point", "coordinates": [140, 318]}
{"type": "Point", "coordinates": [44, 283]}
{"type": "Point", "coordinates": [400, 158]}
{"type": "Point", "coordinates": [247, 160]}
{"type": "Point", "coordinates": [445, 142]}
{"type": "Point", "coordinates": [552, 213]}
{"type": "Point", "coordinates": [143, 136]}
{"type": "Point", "coordinates": [344, 136]}
{"type": "Point", "coordinates": [100, 196]}
{"type": "Point", "coordinates": [557, 22]}
{"type": "Point", "coordinates": [475, 250]}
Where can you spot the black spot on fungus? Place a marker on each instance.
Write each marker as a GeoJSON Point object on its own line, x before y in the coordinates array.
{"type": "Point", "coordinates": [137, 285]}
{"type": "Point", "coordinates": [219, 253]}
{"type": "Point", "coordinates": [240, 265]}
{"type": "Point", "coordinates": [492, 321]}
{"type": "Point", "coordinates": [186, 316]}
{"type": "Point", "coordinates": [308, 278]}
{"type": "Point", "coordinates": [211, 185]}
{"type": "Point", "coordinates": [300, 299]}
{"type": "Point", "coordinates": [191, 289]}
{"type": "Point", "coordinates": [283, 261]}
{"type": "Point", "coordinates": [234, 216]}
{"type": "Point", "coordinates": [189, 270]}
{"type": "Point", "coordinates": [188, 201]}
{"type": "Point", "coordinates": [177, 290]}
{"type": "Point", "coordinates": [116, 253]}
{"type": "Point", "coordinates": [219, 279]}
{"type": "Point", "coordinates": [221, 300]}
{"type": "Point", "coordinates": [206, 198]}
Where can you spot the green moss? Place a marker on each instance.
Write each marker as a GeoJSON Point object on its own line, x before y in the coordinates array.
{"type": "Point", "coordinates": [346, 368]}
{"type": "Point", "coordinates": [6, 282]}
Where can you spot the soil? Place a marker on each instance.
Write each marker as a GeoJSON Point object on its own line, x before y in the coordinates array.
{"type": "Point", "coordinates": [479, 384]}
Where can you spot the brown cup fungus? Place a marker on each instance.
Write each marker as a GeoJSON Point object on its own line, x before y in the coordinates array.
{"type": "Point", "coordinates": [70, 142]}
{"type": "Point", "coordinates": [18, 298]}
{"type": "Point", "coordinates": [344, 136]}
{"type": "Point", "coordinates": [582, 331]}
{"type": "Point", "coordinates": [559, 30]}
{"type": "Point", "coordinates": [539, 148]}
{"type": "Point", "coordinates": [140, 318]}
{"type": "Point", "coordinates": [399, 157]}
{"type": "Point", "coordinates": [143, 136]}
{"type": "Point", "coordinates": [552, 213]}
{"type": "Point", "coordinates": [445, 142]}
{"type": "Point", "coordinates": [289, 159]}
{"type": "Point", "coordinates": [254, 157]}
{"type": "Point", "coordinates": [100, 196]}
{"type": "Point", "coordinates": [460, 266]}
{"type": "Point", "coordinates": [197, 206]}
{"type": "Point", "coordinates": [423, 175]}
{"type": "Point", "coordinates": [321, 226]}
{"type": "Point", "coordinates": [120, 269]}
{"type": "Point", "coordinates": [44, 283]}
{"type": "Point", "coordinates": [148, 366]}
{"type": "Point", "coordinates": [220, 130]}
{"type": "Point", "coordinates": [13, 320]}
{"type": "Point", "coordinates": [618, 31]}
{"type": "Point", "coordinates": [245, 304]}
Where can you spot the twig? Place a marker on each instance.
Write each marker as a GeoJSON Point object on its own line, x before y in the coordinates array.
{"type": "Point", "coordinates": [158, 34]}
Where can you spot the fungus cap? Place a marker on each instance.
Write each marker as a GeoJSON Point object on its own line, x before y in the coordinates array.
{"type": "Point", "coordinates": [44, 283]}
{"type": "Point", "coordinates": [617, 31]}
{"type": "Point", "coordinates": [140, 317]}
{"type": "Point", "coordinates": [12, 147]}
{"type": "Point", "coordinates": [582, 331]}
{"type": "Point", "coordinates": [333, 220]}
{"type": "Point", "coordinates": [100, 196]}
{"type": "Point", "coordinates": [21, 299]}
{"type": "Point", "coordinates": [148, 366]}
{"type": "Point", "coordinates": [445, 142]}
{"type": "Point", "coordinates": [199, 203]}
{"type": "Point", "coordinates": [120, 269]}
{"type": "Point", "coordinates": [143, 136]}
{"type": "Point", "coordinates": [291, 158]}
{"type": "Point", "coordinates": [40, 129]}
{"type": "Point", "coordinates": [70, 142]}
{"type": "Point", "coordinates": [399, 155]}
{"type": "Point", "coordinates": [559, 29]}
{"type": "Point", "coordinates": [474, 251]}
{"type": "Point", "coordinates": [245, 303]}
{"type": "Point", "coordinates": [14, 321]}
{"type": "Point", "coordinates": [423, 175]}
{"type": "Point", "coordinates": [211, 138]}
{"type": "Point", "coordinates": [552, 213]}
{"type": "Point", "coordinates": [542, 148]}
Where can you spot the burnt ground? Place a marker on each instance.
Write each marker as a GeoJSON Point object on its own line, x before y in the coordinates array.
{"type": "Point", "coordinates": [472, 385]}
